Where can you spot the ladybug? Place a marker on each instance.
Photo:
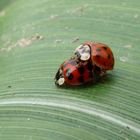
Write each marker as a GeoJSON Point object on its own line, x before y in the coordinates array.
{"type": "Point", "coordinates": [99, 54]}
{"type": "Point", "coordinates": [74, 72]}
{"type": "Point", "coordinates": [89, 63]}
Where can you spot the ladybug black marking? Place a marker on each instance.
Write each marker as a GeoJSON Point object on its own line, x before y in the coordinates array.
{"type": "Point", "coordinates": [97, 69]}
{"type": "Point", "coordinates": [90, 74]}
{"type": "Point", "coordinates": [98, 56]}
{"type": "Point", "coordinates": [81, 79]}
{"type": "Point", "coordinates": [69, 75]}
{"type": "Point", "coordinates": [105, 48]}
{"type": "Point", "coordinates": [108, 56]}
{"type": "Point", "coordinates": [81, 70]}
{"type": "Point", "coordinates": [90, 66]}
{"type": "Point", "coordinates": [77, 54]}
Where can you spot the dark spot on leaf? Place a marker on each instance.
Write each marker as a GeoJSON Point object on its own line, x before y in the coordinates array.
{"type": "Point", "coordinates": [127, 127]}
{"type": "Point", "coordinates": [75, 40]}
{"type": "Point", "coordinates": [9, 86]}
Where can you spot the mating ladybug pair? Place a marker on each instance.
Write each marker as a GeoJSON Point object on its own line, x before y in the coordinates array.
{"type": "Point", "coordinates": [89, 62]}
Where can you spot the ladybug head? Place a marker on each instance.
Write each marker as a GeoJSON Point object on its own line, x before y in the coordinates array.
{"type": "Point", "coordinates": [83, 52]}
{"type": "Point", "coordinates": [59, 78]}
{"type": "Point", "coordinates": [66, 72]}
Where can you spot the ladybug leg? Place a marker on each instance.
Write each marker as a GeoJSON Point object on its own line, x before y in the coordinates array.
{"type": "Point", "coordinates": [103, 73]}
{"type": "Point", "coordinates": [99, 71]}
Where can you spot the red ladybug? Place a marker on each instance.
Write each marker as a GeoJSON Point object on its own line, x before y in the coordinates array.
{"type": "Point", "coordinates": [99, 54]}
{"type": "Point", "coordinates": [74, 72]}
{"type": "Point", "coordinates": [90, 62]}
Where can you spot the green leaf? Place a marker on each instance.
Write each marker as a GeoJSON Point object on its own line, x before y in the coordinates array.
{"type": "Point", "coordinates": [35, 38]}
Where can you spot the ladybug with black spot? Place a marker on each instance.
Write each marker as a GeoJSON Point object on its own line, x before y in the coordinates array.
{"type": "Point", "coordinates": [74, 72]}
{"type": "Point", "coordinates": [98, 53]}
